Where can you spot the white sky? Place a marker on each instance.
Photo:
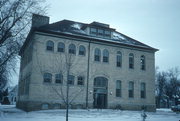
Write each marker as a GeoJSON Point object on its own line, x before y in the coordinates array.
{"type": "Point", "coordinates": [153, 22]}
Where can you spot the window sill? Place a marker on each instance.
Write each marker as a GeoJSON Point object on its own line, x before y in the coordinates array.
{"type": "Point", "coordinates": [131, 69]}
{"type": "Point", "coordinates": [59, 52]}
{"type": "Point", "coordinates": [47, 83]}
{"type": "Point", "coordinates": [58, 84]}
{"type": "Point", "coordinates": [142, 70]}
{"type": "Point", "coordinates": [82, 55]}
{"type": "Point", "coordinates": [97, 61]}
{"type": "Point", "coordinates": [80, 85]}
{"type": "Point", "coordinates": [105, 62]}
{"type": "Point", "coordinates": [50, 51]}
{"type": "Point", "coordinates": [142, 98]}
{"type": "Point", "coordinates": [119, 67]}
{"type": "Point", "coordinates": [131, 98]}
{"type": "Point", "coordinates": [118, 97]}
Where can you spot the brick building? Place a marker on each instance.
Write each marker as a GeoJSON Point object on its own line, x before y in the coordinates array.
{"type": "Point", "coordinates": [104, 68]}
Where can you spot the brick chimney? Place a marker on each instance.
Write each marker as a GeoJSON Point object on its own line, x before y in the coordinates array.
{"type": "Point", "coordinates": [39, 20]}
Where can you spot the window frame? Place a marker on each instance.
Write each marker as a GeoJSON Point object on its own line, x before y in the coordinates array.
{"type": "Point", "coordinates": [50, 45]}
{"type": "Point", "coordinates": [131, 61]}
{"type": "Point", "coordinates": [143, 90]}
{"type": "Point", "coordinates": [97, 55]}
{"type": "Point", "coordinates": [131, 90]}
{"type": "Point", "coordinates": [70, 82]}
{"type": "Point", "coordinates": [80, 82]}
{"type": "Point", "coordinates": [143, 62]}
{"type": "Point", "coordinates": [119, 59]}
{"type": "Point", "coordinates": [107, 33]}
{"type": "Point", "coordinates": [93, 33]}
{"type": "Point", "coordinates": [60, 81]}
{"type": "Point", "coordinates": [100, 32]}
{"type": "Point", "coordinates": [72, 49]}
{"type": "Point", "coordinates": [118, 88]}
{"type": "Point", "coordinates": [82, 50]}
{"type": "Point", "coordinates": [105, 56]}
{"type": "Point", "coordinates": [47, 77]}
{"type": "Point", "coordinates": [61, 47]}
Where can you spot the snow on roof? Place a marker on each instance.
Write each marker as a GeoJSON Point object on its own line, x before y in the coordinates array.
{"type": "Point", "coordinates": [77, 29]}
{"type": "Point", "coordinates": [76, 25]}
{"type": "Point", "coordinates": [101, 39]}
{"type": "Point", "coordinates": [117, 36]}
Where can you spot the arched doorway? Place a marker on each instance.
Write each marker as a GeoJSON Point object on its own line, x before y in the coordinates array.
{"type": "Point", "coordinates": [100, 92]}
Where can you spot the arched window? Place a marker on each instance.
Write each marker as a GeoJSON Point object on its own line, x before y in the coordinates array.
{"type": "Point", "coordinates": [131, 89]}
{"type": "Point", "coordinates": [82, 50]}
{"type": "Point", "coordinates": [59, 78]}
{"type": "Point", "coordinates": [118, 88]}
{"type": "Point", "coordinates": [72, 49]}
{"type": "Point", "coordinates": [50, 45]}
{"type": "Point", "coordinates": [100, 82]}
{"type": "Point", "coordinates": [131, 61]}
{"type": "Point", "coordinates": [80, 80]}
{"type": "Point", "coordinates": [47, 77]}
{"type": "Point", "coordinates": [97, 55]}
{"type": "Point", "coordinates": [143, 62]}
{"type": "Point", "coordinates": [105, 55]}
{"type": "Point", "coordinates": [119, 59]}
{"type": "Point", "coordinates": [61, 47]}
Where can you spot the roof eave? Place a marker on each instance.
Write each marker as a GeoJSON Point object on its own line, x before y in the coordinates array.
{"type": "Point", "coordinates": [96, 39]}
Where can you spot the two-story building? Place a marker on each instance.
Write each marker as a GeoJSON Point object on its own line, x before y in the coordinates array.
{"type": "Point", "coordinates": [102, 67]}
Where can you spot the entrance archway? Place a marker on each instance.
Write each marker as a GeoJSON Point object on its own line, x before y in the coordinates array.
{"type": "Point", "coordinates": [100, 92]}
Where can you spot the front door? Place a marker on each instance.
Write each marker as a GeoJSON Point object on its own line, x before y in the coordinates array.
{"type": "Point", "coordinates": [100, 92]}
{"type": "Point", "coordinates": [100, 101]}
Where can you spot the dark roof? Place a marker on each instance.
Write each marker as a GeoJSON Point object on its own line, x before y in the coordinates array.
{"type": "Point", "coordinates": [77, 28]}
{"type": "Point", "coordinates": [69, 28]}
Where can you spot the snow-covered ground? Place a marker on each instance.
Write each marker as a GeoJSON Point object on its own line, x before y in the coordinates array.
{"type": "Point", "coordinates": [10, 113]}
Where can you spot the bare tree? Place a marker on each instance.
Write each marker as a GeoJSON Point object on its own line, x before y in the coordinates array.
{"type": "Point", "coordinates": [168, 86]}
{"type": "Point", "coordinates": [173, 85]}
{"type": "Point", "coordinates": [15, 18]}
{"type": "Point", "coordinates": [64, 64]}
{"type": "Point", "coordinates": [161, 80]}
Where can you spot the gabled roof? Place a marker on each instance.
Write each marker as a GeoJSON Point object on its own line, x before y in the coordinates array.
{"type": "Point", "coordinates": [72, 28]}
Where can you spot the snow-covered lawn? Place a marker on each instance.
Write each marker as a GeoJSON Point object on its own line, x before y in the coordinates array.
{"type": "Point", "coordinates": [10, 113]}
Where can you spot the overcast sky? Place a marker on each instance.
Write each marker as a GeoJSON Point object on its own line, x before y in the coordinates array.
{"type": "Point", "coordinates": [153, 22]}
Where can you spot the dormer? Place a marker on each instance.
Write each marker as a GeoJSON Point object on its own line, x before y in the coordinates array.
{"type": "Point", "coordinates": [101, 30]}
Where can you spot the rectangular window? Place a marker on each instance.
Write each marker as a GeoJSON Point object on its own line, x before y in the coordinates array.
{"type": "Point", "coordinates": [131, 63]}
{"type": "Point", "coordinates": [93, 31]}
{"type": "Point", "coordinates": [100, 32]}
{"type": "Point", "coordinates": [118, 64]}
{"type": "Point", "coordinates": [47, 77]}
{"type": "Point", "coordinates": [142, 62]}
{"type": "Point", "coordinates": [118, 88]}
{"type": "Point", "coordinates": [107, 34]}
{"type": "Point", "coordinates": [80, 80]}
{"type": "Point", "coordinates": [131, 89]}
{"type": "Point", "coordinates": [143, 90]}
{"type": "Point", "coordinates": [59, 78]}
{"type": "Point", "coordinates": [71, 80]}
